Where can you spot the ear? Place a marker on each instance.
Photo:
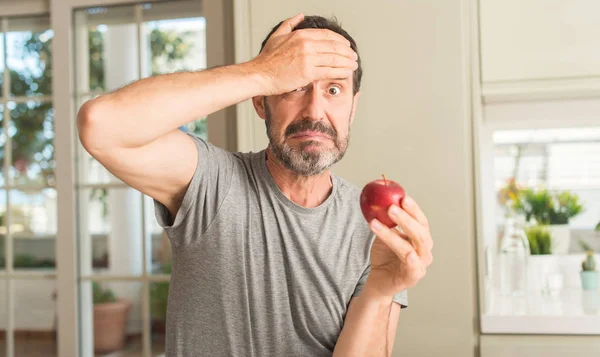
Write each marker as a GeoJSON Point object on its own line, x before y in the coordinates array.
{"type": "Point", "coordinates": [259, 106]}
{"type": "Point", "coordinates": [354, 103]}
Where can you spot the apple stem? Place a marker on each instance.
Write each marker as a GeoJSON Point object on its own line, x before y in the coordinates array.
{"type": "Point", "coordinates": [384, 180]}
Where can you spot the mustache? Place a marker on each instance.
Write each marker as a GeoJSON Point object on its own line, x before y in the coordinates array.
{"type": "Point", "coordinates": [310, 125]}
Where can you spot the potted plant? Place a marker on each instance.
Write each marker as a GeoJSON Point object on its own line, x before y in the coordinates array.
{"type": "Point", "coordinates": [540, 241]}
{"type": "Point", "coordinates": [542, 263]}
{"type": "Point", "coordinates": [553, 210]}
{"type": "Point", "coordinates": [589, 274]}
{"type": "Point", "coordinates": [110, 320]}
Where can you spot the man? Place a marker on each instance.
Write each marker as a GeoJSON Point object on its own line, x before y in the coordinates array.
{"type": "Point", "coordinates": [271, 254]}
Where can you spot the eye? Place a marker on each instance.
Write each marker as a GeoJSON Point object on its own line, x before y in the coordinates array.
{"type": "Point", "coordinates": [333, 90]}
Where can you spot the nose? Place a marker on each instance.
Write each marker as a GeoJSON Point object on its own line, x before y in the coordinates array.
{"type": "Point", "coordinates": [314, 105]}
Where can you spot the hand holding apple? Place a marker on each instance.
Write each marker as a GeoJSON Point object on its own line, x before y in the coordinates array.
{"type": "Point", "coordinates": [401, 252]}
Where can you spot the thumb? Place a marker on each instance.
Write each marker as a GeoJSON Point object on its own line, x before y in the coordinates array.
{"type": "Point", "coordinates": [288, 25]}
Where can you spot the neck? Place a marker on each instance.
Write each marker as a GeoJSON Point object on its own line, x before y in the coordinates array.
{"type": "Point", "coordinates": [305, 191]}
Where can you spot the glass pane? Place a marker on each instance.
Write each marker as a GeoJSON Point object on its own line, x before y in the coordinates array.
{"type": "Point", "coordinates": [32, 132]}
{"type": "Point", "coordinates": [111, 319]}
{"type": "Point", "coordinates": [559, 160]}
{"type": "Point", "coordinates": [35, 318]}
{"type": "Point", "coordinates": [2, 231]}
{"type": "Point", "coordinates": [197, 127]}
{"type": "Point", "coordinates": [158, 244]}
{"type": "Point", "coordinates": [106, 48]}
{"type": "Point", "coordinates": [159, 293]}
{"type": "Point", "coordinates": [110, 231]}
{"type": "Point", "coordinates": [2, 146]}
{"type": "Point", "coordinates": [552, 178]}
{"type": "Point", "coordinates": [29, 60]}
{"type": "Point", "coordinates": [33, 228]}
{"type": "Point", "coordinates": [3, 315]}
{"type": "Point", "coordinates": [2, 67]}
{"type": "Point", "coordinates": [174, 40]}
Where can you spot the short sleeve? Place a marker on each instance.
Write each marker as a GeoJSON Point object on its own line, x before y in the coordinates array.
{"type": "Point", "coordinates": [203, 197]}
{"type": "Point", "coordinates": [400, 297]}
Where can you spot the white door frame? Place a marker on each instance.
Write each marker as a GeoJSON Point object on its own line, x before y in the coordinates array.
{"type": "Point", "coordinates": [66, 247]}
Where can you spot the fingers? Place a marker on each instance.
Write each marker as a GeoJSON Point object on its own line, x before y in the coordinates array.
{"type": "Point", "coordinates": [419, 235]}
{"type": "Point", "coordinates": [402, 234]}
{"type": "Point", "coordinates": [288, 25]}
{"type": "Point", "coordinates": [399, 246]}
{"type": "Point", "coordinates": [412, 208]}
{"type": "Point", "coordinates": [415, 269]}
{"type": "Point", "coordinates": [332, 47]}
{"type": "Point", "coordinates": [323, 34]}
{"type": "Point", "coordinates": [335, 61]}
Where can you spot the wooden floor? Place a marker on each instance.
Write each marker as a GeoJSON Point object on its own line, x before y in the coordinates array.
{"type": "Point", "coordinates": [46, 347]}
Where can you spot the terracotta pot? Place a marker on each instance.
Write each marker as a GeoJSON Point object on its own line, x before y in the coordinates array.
{"type": "Point", "coordinates": [158, 330]}
{"type": "Point", "coordinates": [110, 323]}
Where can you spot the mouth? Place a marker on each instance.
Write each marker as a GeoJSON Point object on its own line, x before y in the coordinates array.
{"type": "Point", "coordinates": [310, 135]}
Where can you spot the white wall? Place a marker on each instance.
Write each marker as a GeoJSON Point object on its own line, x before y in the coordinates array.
{"type": "Point", "coordinates": [413, 124]}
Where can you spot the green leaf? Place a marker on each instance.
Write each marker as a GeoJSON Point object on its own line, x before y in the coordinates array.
{"type": "Point", "coordinates": [540, 240]}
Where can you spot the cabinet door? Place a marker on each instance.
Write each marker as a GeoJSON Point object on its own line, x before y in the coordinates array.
{"type": "Point", "coordinates": [539, 39]}
{"type": "Point", "coordinates": [547, 346]}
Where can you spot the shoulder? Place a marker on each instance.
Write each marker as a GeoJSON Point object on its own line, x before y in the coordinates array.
{"type": "Point", "coordinates": [347, 190]}
{"type": "Point", "coordinates": [348, 200]}
{"type": "Point", "coordinates": [250, 161]}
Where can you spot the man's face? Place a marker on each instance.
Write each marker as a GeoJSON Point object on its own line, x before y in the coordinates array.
{"type": "Point", "coordinates": [309, 128]}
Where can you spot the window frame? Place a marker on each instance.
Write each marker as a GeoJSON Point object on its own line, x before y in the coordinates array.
{"type": "Point", "coordinates": [220, 45]}
{"type": "Point", "coordinates": [543, 104]}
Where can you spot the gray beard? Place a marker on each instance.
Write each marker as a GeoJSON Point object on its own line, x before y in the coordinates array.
{"type": "Point", "coordinates": [305, 163]}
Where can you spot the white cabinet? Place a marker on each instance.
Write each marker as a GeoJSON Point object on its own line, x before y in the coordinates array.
{"type": "Point", "coordinates": [539, 39]}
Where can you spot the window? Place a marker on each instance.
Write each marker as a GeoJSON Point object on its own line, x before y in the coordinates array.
{"type": "Point", "coordinates": [123, 251]}
{"type": "Point", "coordinates": [548, 146]}
{"type": "Point", "coordinates": [565, 159]}
{"type": "Point", "coordinates": [28, 211]}
{"type": "Point", "coordinates": [109, 239]}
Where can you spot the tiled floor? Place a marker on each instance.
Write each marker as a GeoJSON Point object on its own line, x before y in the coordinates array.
{"type": "Point", "coordinates": [45, 347]}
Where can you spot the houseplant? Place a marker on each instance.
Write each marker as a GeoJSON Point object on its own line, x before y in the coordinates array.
{"type": "Point", "coordinates": [542, 263]}
{"type": "Point", "coordinates": [589, 274]}
{"type": "Point", "coordinates": [540, 241]}
{"type": "Point", "coordinates": [110, 319]}
{"type": "Point", "coordinates": [551, 209]}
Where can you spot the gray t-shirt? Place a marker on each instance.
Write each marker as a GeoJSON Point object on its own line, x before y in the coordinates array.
{"type": "Point", "coordinates": [254, 274]}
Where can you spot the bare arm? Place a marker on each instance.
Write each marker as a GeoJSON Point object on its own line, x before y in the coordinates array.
{"type": "Point", "coordinates": [370, 326]}
{"type": "Point", "coordinates": [133, 131]}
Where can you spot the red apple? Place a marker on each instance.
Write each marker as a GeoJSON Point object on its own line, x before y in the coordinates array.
{"type": "Point", "coordinates": [377, 197]}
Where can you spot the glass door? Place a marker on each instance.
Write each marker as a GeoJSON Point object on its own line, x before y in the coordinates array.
{"type": "Point", "coordinates": [124, 256]}
{"type": "Point", "coordinates": [28, 196]}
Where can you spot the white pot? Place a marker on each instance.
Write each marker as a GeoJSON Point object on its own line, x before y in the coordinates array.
{"type": "Point", "coordinates": [561, 238]}
{"type": "Point", "coordinates": [543, 271]}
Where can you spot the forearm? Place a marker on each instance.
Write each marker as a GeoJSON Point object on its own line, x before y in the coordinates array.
{"type": "Point", "coordinates": [366, 330]}
{"type": "Point", "coordinates": [147, 109]}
